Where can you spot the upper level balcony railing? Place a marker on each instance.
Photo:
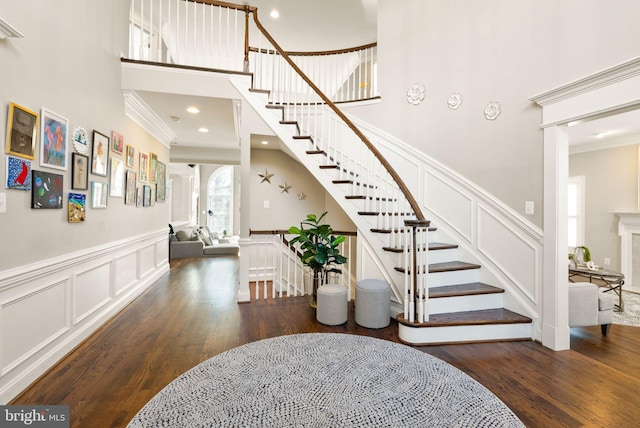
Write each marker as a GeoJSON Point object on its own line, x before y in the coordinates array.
{"type": "Point", "coordinates": [219, 35]}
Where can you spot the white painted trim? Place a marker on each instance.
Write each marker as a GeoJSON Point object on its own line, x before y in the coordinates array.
{"type": "Point", "coordinates": [8, 30]}
{"type": "Point", "coordinates": [137, 110]}
{"type": "Point", "coordinates": [628, 140]}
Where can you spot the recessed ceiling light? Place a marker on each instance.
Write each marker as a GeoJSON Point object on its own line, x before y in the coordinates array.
{"type": "Point", "coordinates": [193, 110]}
{"type": "Point", "coordinates": [265, 142]}
{"type": "Point", "coordinates": [604, 134]}
{"type": "Point", "coordinates": [274, 13]}
{"type": "Point", "coordinates": [203, 130]}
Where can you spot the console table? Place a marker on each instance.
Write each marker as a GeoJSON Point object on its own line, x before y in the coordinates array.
{"type": "Point", "coordinates": [613, 281]}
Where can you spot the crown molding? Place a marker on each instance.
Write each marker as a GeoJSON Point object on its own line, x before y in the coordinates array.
{"type": "Point", "coordinates": [7, 30]}
{"type": "Point", "coordinates": [138, 111]}
{"type": "Point", "coordinates": [609, 76]}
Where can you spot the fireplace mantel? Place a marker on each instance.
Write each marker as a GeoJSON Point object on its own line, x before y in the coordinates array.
{"type": "Point", "coordinates": [628, 225]}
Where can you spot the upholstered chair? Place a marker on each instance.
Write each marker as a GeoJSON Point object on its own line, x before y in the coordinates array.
{"type": "Point", "coordinates": [588, 306]}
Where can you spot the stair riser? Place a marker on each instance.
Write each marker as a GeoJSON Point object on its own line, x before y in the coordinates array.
{"type": "Point", "coordinates": [477, 302]}
{"type": "Point", "coordinates": [441, 256]}
{"type": "Point", "coordinates": [453, 277]}
{"type": "Point", "coordinates": [466, 333]}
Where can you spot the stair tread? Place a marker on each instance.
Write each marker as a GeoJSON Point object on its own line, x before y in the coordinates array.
{"type": "Point", "coordinates": [302, 137]}
{"type": "Point", "coordinates": [469, 289]}
{"type": "Point", "coordinates": [447, 267]}
{"type": "Point", "coordinates": [395, 229]}
{"type": "Point", "coordinates": [316, 152]}
{"type": "Point", "coordinates": [482, 317]}
{"type": "Point", "coordinates": [433, 246]}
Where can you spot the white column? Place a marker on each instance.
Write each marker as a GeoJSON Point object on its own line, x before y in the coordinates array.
{"type": "Point", "coordinates": [245, 199]}
{"type": "Point", "coordinates": [555, 302]}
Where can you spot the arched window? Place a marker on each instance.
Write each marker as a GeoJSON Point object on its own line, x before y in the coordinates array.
{"type": "Point", "coordinates": [220, 196]}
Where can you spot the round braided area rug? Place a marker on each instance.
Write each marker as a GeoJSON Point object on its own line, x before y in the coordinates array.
{"type": "Point", "coordinates": [324, 380]}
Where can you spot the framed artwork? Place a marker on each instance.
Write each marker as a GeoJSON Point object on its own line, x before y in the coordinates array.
{"type": "Point", "coordinates": [77, 207]}
{"type": "Point", "coordinates": [22, 131]}
{"type": "Point", "coordinates": [18, 173]}
{"type": "Point", "coordinates": [46, 190]}
{"type": "Point", "coordinates": [99, 154]}
{"type": "Point", "coordinates": [130, 192]}
{"type": "Point", "coordinates": [99, 194]}
{"type": "Point", "coordinates": [144, 167]}
{"type": "Point", "coordinates": [117, 142]}
{"type": "Point", "coordinates": [117, 178]}
{"type": "Point", "coordinates": [161, 190]}
{"type": "Point", "coordinates": [81, 140]}
{"type": "Point", "coordinates": [130, 156]}
{"type": "Point", "coordinates": [139, 196]}
{"type": "Point", "coordinates": [147, 196]}
{"type": "Point", "coordinates": [153, 168]}
{"type": "Point", "coordinates": [54, 131]}
{"type": "Point", "coordinates": [79, 171]}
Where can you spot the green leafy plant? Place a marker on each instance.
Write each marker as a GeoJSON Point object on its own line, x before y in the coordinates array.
{"type": "Point", "coordinates": [320, 248]}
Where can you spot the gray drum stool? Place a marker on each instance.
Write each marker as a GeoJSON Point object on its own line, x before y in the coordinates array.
{"type": "Point", "coordinates": [372, 303]}
{"type": "Point", "coordinates": [332, 304]}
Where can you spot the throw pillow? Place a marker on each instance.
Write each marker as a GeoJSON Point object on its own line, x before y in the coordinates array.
{"type": "Point", "coordinates": [183, 235]}
{"type": "Point", "coordinates": [204, 235]}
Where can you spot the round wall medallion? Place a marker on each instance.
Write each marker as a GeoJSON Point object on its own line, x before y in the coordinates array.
{"type": "Point", "coordinates": [455, 101]}
{"type": "Point", "coordinates": [492, 110]}
{"type": "Point", "coordinates": [415, 94]}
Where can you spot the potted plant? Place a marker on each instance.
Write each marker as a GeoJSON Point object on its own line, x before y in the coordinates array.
{"type": "Point", "coordinates": [319, 249]}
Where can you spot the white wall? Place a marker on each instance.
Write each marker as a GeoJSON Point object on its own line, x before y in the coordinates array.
{"type": "Point", "coordinates": [61, 281]}
{"type": "Point", "coordinates": [611, 184]}
{"type": "Point", "coordinates": [494, 50]}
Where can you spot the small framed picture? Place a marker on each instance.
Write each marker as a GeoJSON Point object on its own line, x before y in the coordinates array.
{"type": "Point", "coordinates": [77, 212]}
{"type": "Point", "coordinates": [153, 168]}
{"type": "Point", "coordinates": [99, 194]}
{"type": "Point", "coordinates": [139, 196]}
{"type": "Point", "coordinates": [18, 173]}
{"type": "Point", "coordinates": [144, 167]}
{"type": "Point", "coordinates": [79, 171]}
{"type": "Point", "coordinates": [161, 191]}
{"type": "Point", "coordinates": [130, 192]}
{"type": "Point", "coordinates": [22, 131]}
{"type": "Point", "coordinates": [54, 130]}
{"type": "Point", "coordinates": [100, 154]}
{"type": "Point", "coordinates": [131, 152]}
{"type": "Point", "coordinates": [117, 178]}
{"type": "Point", "coordinates": [117, 142]}
{"type": "Point", "coordinates": [147, 196]}
{"type": "Point", "coordinates": [46, 190]}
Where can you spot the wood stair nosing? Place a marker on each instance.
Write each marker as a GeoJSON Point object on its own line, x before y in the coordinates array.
{"type": "Point", "coordinates": [445, 267]}
{"type": "Point", "coordinates": [315, 152]}
{"type": "Point", "coordinates": [356, 197]}
{"type": "Point", "coordinates": [260, 91]}
{"type": "Point", "coordinates": [376, 213]}
{"type": "Point", "coordinates": [402, 229]}
{"type": "Point", "coordinates": [460, 290]}
{"type": "Point", "coordinates": [433, 246]}
{"type": "Point", "coordinates": [481, 317]}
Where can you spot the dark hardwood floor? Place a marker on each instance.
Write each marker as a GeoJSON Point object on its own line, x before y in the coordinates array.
{"type": "Point", "coordinates": [190, 315]}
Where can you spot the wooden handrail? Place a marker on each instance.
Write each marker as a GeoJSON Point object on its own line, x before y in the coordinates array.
{"type": "Point", "coordinates": [242, 7]}
{"type": "Point", "coordinates": [318, 53]}
{"type": "Point", "coordinates": [392, 172]}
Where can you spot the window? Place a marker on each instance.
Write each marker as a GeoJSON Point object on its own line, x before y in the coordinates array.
{"type": "Point", "coordinates": [576, 211]}
{"type": "Point", "coordinates": [220, 195]}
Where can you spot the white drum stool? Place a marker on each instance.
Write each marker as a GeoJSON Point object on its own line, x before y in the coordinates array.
{"type": "Point", "coordinates": [332, 304]}
{"type": "Point", "coordinates": [372, 303]}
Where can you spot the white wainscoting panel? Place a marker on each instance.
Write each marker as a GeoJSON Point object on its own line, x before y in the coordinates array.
{"type": "Point", "coordinates": [91, 290]}
{"type": "Point", "coordinates": [32, 322]}
{"type": "Point", "coordinates": [450, 203]}
{"type": "Point", "coordinates": [125, 272]}
{"type": "Point", "coordinates": [511, 252]}
{"type": "Point", "coordinates": [50, 307]}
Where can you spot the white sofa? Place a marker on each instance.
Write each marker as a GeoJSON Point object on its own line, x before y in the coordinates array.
{"type": "Point", "coordinates": [588, 306]}
{"type": "Point", "coordinates": [196, 241]}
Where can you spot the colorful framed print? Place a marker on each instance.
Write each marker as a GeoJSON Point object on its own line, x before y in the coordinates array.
{"type": "Point", "coordinates": [54, 130]}
{"type": "Point", "coordinates": [153, 168]}
{"type": "Point", "coordinates": [117, 142]}
{"type": "Point", "coordinates": [117, 178]}
{"type": "Point", "coordinates": [77, 207]}
{"type": "Point", "coordinates": [144, 167]}
{"type": "Point", "coordinates": [18, 173]}
{"type": "Point", "coordinates": [161, 190]}
{"type": "Point", "coordinates": [79, 171]}
{"type": "Point", "coordinates": [100, 154]}
{"type": "Point", "coordinates": [81, 140]}
{"type": "Point", "coordinates": [139, 196]}
{"type": "Point", "coordinates": [146, 196]}
{"type": "Point", "coordinates": [46, 190]}
{"type": "Point", "coordinates": [130, 156]}
{"type": "Point", "coordinates": [130, 192]}
{"type": "Point", "coordinates": [99, 194]}
{"type": "Point", "coordinates": [22, 131]}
